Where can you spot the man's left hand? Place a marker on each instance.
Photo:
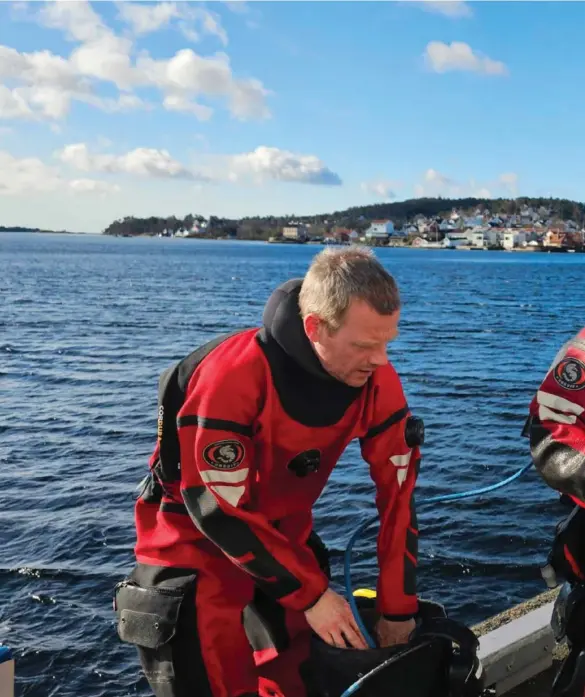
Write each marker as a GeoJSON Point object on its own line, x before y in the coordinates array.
{"type": "Point", "coordinates": [390, 633]}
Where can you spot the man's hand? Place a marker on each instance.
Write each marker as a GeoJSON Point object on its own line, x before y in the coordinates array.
{"type": "Point", "coordinates": [390, 633]}
{"type": "Point", "coordinates": [332, 619]}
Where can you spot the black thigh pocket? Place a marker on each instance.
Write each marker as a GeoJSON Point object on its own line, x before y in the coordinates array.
{"type": "Point", "coordinates": [155, 610]}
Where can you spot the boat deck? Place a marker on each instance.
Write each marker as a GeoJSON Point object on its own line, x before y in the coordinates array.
{"type": "Point", "coordinates": [540, 684]}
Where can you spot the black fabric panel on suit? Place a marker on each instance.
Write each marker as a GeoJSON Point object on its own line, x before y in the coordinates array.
{"type": "Point", "coordinates": [308, 394]}
{"type": "Point", "coordinates": [561, 466]}
{"type": "Point", "coordinates": [236, 539]}
{"type": "Point", "coordinates": [308, 400]}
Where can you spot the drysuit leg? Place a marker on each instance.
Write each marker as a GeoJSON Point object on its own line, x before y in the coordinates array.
{"type": "Point", "coordinates": [282, 639]}
{"type": "Point", "coordinates": [288, 673]}
{"type": "Point", "coordinates": [233, 667]}
{"type": "Point", "coordinates": [188, 628]}
{"type": "Point", "coordinates": [226, 652]}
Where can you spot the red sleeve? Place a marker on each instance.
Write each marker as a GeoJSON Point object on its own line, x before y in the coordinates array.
{"type": "Point", "coordinates": [557, 425]}
{"type": "Point", "coordinates": [222, 462]}
{"type": "Point", "coordinates": [394, 469]}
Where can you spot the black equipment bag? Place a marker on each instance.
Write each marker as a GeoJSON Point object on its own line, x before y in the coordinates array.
{"type": "Point", "coordinates": [440, 660]}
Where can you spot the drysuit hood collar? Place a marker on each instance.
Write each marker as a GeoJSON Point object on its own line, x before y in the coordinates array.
{"type": "Point", "coordinates": [282, 321]}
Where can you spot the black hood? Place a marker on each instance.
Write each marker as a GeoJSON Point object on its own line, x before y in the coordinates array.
{"type": "Point", "coordinates": [282, 321]}
{"type": "Point", "coordinates": [307, 392]}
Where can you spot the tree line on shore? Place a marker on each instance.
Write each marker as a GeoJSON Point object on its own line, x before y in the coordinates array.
{"type": "Point", "coordinates": [356, 217]}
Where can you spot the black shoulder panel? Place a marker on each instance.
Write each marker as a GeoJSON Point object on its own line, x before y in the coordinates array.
{"type": "Point", "coordinates": [308, 399]}
{"type": "Point", "coordinates": [172, 386]}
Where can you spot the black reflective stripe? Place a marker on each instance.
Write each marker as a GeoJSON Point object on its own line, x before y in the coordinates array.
{"type": "Point", "coordinates": [168, 507]}
{"type": "Point", "coordinates": [265, 623]}
{"type": "Point", "coordinates": [399, 618]}
{"type": "Point", "coordinates": [412, 549]}
{"type": "Point", "coordinates": [417, 467]}
{"type": "Point", "coordinates": [412, 543]}
{"type": "Point", "coordinates": [390, 421]}
{"type": "Point", "coordinates": [561, 466]}
{"type": "Point", "coordinates": [215, 425]}
{"type": "Point", "coordinates": [236, 539]}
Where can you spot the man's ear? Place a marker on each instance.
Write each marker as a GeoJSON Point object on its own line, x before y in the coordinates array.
{"type": "Point", "coordinates": [312, 325]}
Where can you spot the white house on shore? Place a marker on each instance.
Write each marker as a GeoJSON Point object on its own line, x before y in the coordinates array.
{"type": "Point", "coordinates": [452, 240]}
{"type": "Point", "coordinates": [380, 230]}
{"type": "Point", "coordinates": [476, 238]}
{"type": "Point", "coordinates": [513, 238]}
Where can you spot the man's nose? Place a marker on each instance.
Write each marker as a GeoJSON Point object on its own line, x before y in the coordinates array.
{"type": "Point", "coordinates": [379, 357]}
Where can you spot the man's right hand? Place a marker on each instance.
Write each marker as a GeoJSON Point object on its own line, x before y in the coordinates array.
{"type": "Point", "coordinates": [332, 619]}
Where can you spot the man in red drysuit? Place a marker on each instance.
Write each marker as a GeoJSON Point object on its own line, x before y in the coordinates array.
{"type": "Point", "coordinates": [557, 424]}
{"type": "Point", "coordinates": [259, 419]}
{"type": "Point", "coordinates": [556, 429]}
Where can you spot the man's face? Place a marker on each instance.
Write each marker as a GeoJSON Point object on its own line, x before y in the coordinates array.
{"type": "Point", "coordinates": [358, 347]}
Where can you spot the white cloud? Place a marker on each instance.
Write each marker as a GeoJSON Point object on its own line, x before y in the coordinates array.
{"type": "Point", "coordinates": [208, 22]}
{"type": "Point", "coordinates": [442, 58]}
{"type": "Point", "coordinates": [178, 102]}
{"type": "Point", "coordinates": [41, 68]}
{"type": "Point", "coordinates": [266, 163]}
{"type": "Point", "coordinates": [48, 83]}
{"type": "Point", "coordinates": [124, 102]}
{"type": "Point", "coordinates": [29, 175]}
{"type": "Point", "coordinates": [91, 186]}
{"type": "Point", "coordinates": [13, 105]}
{"type": "Point", "coordinates": [145, 162]}
{"type": "Point", "coordinates": [247, 100]}
{"type": "Point", "coordinates": [434, 179]}
{"type": "Point", "coordinates": [145, 18]}
{"type": "Point", "coordinates": [43, 85]}
{"type": "Point", "coordinates": [188, 75]}
{"type": "Point", "coordinates": [450, 8]}
{"type": "Point", "coordinates": [382, 188]}
{"type": "Point", "coordinates": [17, 176]}
{"type": "Point", "coordinates": [436, 184]}
{"type": "Point", "coordinates": [261, 165]}
{"type": "Point", "coordinates": [108, 59]}
{"type": "Point", "coordinates": [78, 19]}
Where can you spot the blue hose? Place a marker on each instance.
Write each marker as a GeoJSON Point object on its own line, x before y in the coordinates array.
{"type": "Point", "coordinates": [432, 499]}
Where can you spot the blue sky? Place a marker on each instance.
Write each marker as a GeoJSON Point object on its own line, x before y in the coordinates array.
{"type": "Point", "coordinates": [245, 108]}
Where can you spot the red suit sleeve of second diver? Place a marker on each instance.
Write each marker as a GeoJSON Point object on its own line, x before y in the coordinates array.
{"type": "Point", "coordinates": [557, 428]}
{"type": "Point", "coordinates": [221, 459]}
{"type": "Point", "coordinates": [394, 469]}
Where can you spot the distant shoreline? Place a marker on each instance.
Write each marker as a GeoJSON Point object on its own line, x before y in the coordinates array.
{"type": "Point", "coordinates": [525, 250]}
{"type": "Point", "coordinates": [30, 230]}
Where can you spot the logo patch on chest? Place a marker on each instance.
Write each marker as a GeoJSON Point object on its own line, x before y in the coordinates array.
{"type": "Point", "coordinates": [570, 374]}
{"type": "Point", "coordinates": [305, 463]}
{"type": "Point", "coordinates": [224, 454]}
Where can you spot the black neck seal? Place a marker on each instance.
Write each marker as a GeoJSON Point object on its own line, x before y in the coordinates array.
{"type": "Point", "coordinates": [307, 391]}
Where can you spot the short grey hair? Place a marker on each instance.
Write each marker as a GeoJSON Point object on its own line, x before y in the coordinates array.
{"type": "Point", "coordinates": [336, 276]}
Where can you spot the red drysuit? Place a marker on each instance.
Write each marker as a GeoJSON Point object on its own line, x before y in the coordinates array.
{"type": "Point", "coordinates": [557, 430]}
{"type": "Point", "coordinates": [260, 430]}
